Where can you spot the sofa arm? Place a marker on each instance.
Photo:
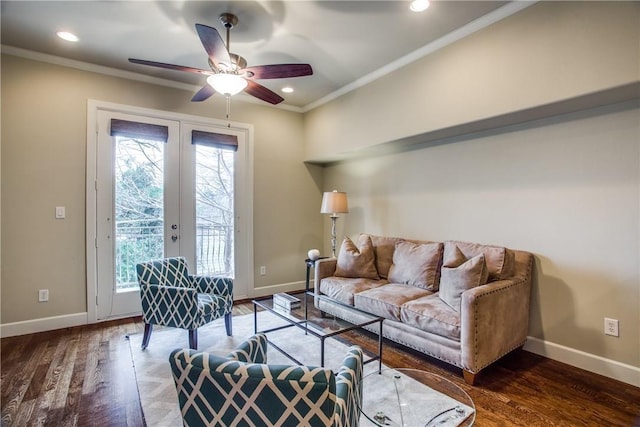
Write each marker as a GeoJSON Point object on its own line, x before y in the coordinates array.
{"type": "Point", "coordinates": [494, 321]}
{"type": "Point", "coordinates": [324, 268]}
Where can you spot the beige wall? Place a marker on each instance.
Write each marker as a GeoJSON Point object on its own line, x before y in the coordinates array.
{"type": "Point", "coordinates": [549, 52]}
{"type": "Point", "coordinates": [44, 119]}
{"type": "Point", "coordinates": [566, 189]}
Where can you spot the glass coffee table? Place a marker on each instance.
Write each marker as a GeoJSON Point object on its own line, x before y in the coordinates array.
{"type": "Point", "coordinates": [412, 397]}
{"type": "Point", "coordinates": [308, 318]}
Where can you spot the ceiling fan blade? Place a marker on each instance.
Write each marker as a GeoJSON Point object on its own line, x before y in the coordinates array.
{"type": "Point", "coordinates": [170, 66]}
{"type": "Point", "coordinates": [204, 93]}
{"type": "Point", "coordinates": [263, 93]}
{"type": "Point", "coordinates": [278, 71]}
{"type": "Point", "coordinates": [214, 45]}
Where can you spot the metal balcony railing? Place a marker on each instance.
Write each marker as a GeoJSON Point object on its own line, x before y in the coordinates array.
{"type": "Point", "coordinates": [137, 243]}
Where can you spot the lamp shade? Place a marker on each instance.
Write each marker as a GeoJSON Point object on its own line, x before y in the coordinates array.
{"type": "Point", "coordinates": [334, 202]}
{"type": "Point", "coordinates": [227, 84]}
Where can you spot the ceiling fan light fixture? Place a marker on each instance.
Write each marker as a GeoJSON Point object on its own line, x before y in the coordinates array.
{"type": "Point", "coordinates": [227, 84]}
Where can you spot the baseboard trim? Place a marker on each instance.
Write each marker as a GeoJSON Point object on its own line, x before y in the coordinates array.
{"type": "Point", "coordinates": [281, 287]}
{"type": "Point", "coordinates": [43, 324]}
{"type": "Point", "coordinates": [609, 368]}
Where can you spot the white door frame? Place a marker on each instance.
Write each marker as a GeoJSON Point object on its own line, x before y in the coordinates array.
{"type": "Point", "coordinates": [244, 281]}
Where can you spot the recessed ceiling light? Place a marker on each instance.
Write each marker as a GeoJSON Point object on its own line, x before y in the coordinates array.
{"type": "Point", "coordinates": [419, 5]}
{"type": "Point", "coordinates": [287, 89]}
{"type": "Point", "coordinates": [65, 35]}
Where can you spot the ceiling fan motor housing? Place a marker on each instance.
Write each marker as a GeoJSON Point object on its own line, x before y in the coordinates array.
{"type": "Point", "coordinates": [229, 20]}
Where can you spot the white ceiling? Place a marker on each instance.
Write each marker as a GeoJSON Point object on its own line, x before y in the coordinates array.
{"type": "Point", "coordinates": [342, 40]}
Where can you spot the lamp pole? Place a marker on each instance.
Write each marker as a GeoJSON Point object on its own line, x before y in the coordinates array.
{"type": "Point", "coordinates": [334, 217]}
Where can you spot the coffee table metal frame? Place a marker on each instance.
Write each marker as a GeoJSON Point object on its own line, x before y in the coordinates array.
{"type": "Point", "coordinates": [304, 323]}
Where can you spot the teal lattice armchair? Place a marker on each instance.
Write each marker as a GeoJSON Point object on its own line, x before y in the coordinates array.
{"type": "Point", "coordinates": [242, 390]}
{"type": "Point", "coordinates": [172, 297]}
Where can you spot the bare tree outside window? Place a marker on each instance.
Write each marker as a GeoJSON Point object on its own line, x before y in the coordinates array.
{"type": "Point", "coordinates": [139, 201]}
{"type": "Point", "coordinates": [214, 211]}
{"type": "Point", "coordinates": [139, 213]}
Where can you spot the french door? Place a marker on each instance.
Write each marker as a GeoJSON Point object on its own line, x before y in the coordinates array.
{"type": "Point", "coordinates": [163, 188]}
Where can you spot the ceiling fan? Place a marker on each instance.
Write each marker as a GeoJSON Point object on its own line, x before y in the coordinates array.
{"type": "Point", "coordinates": [229, 73]}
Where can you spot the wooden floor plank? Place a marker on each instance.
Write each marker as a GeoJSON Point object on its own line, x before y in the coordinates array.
{"type": "Point", "coordinates": [84, 376]}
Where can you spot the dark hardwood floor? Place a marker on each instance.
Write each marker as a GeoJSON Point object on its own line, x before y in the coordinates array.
{"type": "Point", "coordinates": [84, 376]}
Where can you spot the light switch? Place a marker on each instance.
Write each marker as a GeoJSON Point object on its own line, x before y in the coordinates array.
{"type": "Point", "coordinates": [60, 212]}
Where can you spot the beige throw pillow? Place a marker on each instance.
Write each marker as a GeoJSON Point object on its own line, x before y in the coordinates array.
{"type": "Point", "coordinates": [416, 264]}
{"type": "Point", "coordinates": [356, 261]}
{"type": "Point", "coordinates": [500, 260]}
{"type": "Point", "coordinates": [460, 274]}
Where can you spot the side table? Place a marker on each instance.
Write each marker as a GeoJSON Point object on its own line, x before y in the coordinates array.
{"type": "Point", "coordinates": [311, 263]}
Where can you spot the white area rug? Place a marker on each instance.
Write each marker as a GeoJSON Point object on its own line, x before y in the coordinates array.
{"type": "Point", "coordinates": [157, 391]}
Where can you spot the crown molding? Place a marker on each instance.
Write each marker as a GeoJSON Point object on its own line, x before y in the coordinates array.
{"type": "Point", "coordinates": [462, 32]}
{"type": "Point", "coordinates": [129, 75]}
{"type": "Point", "coordinates": [458, 34]}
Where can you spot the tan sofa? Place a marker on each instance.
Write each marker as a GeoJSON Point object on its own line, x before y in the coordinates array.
{"type": "Point", "coordinates": [464, 303]}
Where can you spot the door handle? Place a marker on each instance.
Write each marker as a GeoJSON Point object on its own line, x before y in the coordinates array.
{"type": "Point", "coordinates": [174, 237]}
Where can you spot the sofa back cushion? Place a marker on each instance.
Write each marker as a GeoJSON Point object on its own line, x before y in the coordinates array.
{"type": "Point", "coordinates": [383, 248]}
{"type": "Point", "coordinates": [357, 260]}
{"type": "Point", "coordinates": [500, 261]}
{"type": "Point", "coordinates": [417, 264]}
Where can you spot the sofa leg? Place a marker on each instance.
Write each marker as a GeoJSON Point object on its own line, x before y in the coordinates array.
{"type": "Point", "coordinates": [227, 324]}
{"type": "Point", "coordinates": [193, 339]}
{"type": "Point", "coordinates": [469, 377]}
{"type": "Point", "coordinates": [147, 335]}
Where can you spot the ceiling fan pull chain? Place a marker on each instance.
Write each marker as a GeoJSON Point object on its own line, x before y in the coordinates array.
{"type": "Point", "coordinates": [228, 98]}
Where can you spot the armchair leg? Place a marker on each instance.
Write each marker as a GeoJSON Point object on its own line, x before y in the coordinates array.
{"type": "Point", "coordinates": [147, 335]}
{"type": "Point", "coordinates": [227, 324]}
{"type": "Point", "coordinates": [193, 339]}
{"type": "Point", "coordinates": [469, 377]}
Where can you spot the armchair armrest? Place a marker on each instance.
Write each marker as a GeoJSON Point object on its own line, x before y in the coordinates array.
{"type": "Point", "coordinates": [217, 285]}
{"type": "Point", "coordinates": [494, 320]}
{"type": "Point", "coordinates": [324, 268]}
{"type": "Point", "coordinates": [154, 297]}
{"type": "Point", "coordinates": [349, 388]}
{"type": "Point", "coordinates": [253, 350]}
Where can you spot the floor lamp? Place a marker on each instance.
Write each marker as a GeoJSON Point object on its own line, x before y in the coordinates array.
{"type": "Point", "coordinates": [334, 202]}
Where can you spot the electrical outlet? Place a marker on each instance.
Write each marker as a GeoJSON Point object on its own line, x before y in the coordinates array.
{"type": "Point", "coordinates": [263, 270]}
{"type": "Point", "coordinates": [43, 295]}
{"type": "Point", "coordinates": [611, 327]}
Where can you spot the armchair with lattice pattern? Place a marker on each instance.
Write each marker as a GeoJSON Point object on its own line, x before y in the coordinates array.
{"type": "Point", "coordinates": [172, 297]}
{"type": "Point", "coordinates": [242, 389]}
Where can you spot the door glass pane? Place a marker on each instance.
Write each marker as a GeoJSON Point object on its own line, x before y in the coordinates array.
{"type": "Point", "coordinates": [214, 211]}
{"type": "Point", "coordinates": [139, 196]}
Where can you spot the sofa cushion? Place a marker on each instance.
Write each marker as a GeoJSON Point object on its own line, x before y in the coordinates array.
{"type": "Point", "coordinates": [432, 315]}
{"type": "Point", "coordinates": [383, 248]}
{"type": "Point", "coordinates": [385, 301]}
{"type": "Point", "coordinates": [342, 289]}
{"type": "Point", "coordinates": [416, 264]}
{"type": "Point", "coordinates": [460, 274]}
{"type": "Point", "coordinates": [356, 260]}
{"type": "Point", "coordinates": [500, 261]}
